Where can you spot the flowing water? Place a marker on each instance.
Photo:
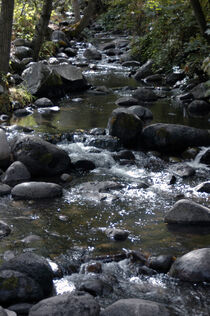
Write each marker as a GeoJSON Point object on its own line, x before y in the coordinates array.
{"type": "Point", "coordinates": [79, 218]}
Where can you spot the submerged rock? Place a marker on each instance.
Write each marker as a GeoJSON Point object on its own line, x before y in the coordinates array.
{"type": "Point", "coordinates": [135, 307]}
{"type": "Point", "coordinates": [117, 234]}
{"type": "Point", "coordinates": [188, 212]}
{"type": "Point", "coordinates": [193, 266]}
{"type": "Point", "coordinates": [145, 94]}
{"type": "Point", "coordinates": [36, 190]}
{"type": "Point", "coordinates": [173, 138]}
{"type": "Point", "coordinates": [77, 304]}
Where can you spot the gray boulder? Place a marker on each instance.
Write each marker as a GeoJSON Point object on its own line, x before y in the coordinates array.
{"type": "Point", "coordinates": [95, 287]}
{"type": "Point", "coordinates": [144, 94]}
{"type": "Point", "coordinates": [17, 172]}
{"type": "Point", "coordinates": [182, 170]}
{"type": "Point", "coordinates": [173, 138]}
{"type": "Point", "coordinates": [36, 190]}
{"type": "Point", "coordinates": [142, 112]}
{"type": "Point", "coordinates": [18, 287]}
{"type": "Point", "coordinates": [5, 151]}
{"type": "Point", "coordinates": [126, 101]}
{"type": "Point", "coordinates": [126, 126]}
{"type": "Point", "coordinates": [43, 103]}
{"type": "Point", "coordinates": [59, 37]}
{"type": "Point", "coordinates": [174, 77]}
{"type": "Point", "coordinates": [199, 107]}
{"type": "Point", "coordinates": [92, 53]}
{"type": "Point", "coordinates": [135, 307]}
{"type": "Point", "coordinates": [67, 304]}
{"type": "Point", "coordinates": [40, 157]}
{"type": "Point", "coordinates": [35, 267]}
{"type": "Point", "coordinates": [188, 212]}
{"type": "Point", "coordinates": [144, 71]}
{"type": "Point", "coordinates": [23, 52]}
{"type": "Point", "coordinates": [193, 266]}
{"type": "Point", "coordinates": [4, 189]}
{"type": "Point", "coordinates": [201, 91]}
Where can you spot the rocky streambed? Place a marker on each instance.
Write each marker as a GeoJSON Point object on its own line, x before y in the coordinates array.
{"type": "Point", "coordinates": [110, 184]}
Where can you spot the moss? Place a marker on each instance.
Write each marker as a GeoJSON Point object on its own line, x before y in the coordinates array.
{"type": "Point", "coordinates": [20, 94]}
{"type": "Point", "coordinates": [9, 283]}
{"type": "Point", "coordinates": [46, 158]}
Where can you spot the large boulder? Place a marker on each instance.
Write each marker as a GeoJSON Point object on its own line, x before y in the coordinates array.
{"type": "Point", "coordinates": [36, 190]}
{"type": "Point", "coordinates": [40, 157]}
{"type": "Point", "coordinates": [193, 266]}
{"type": "Point", "coordinates": [35, 267]}
{"type": "Point", "coordinates": [23, 52]}
{"type": "Point", "coordinates": [126, 126]}
{"type": "Point", "coordinates": [173, 138]}
{"type": "Point", "coordinates": [144, 71]}
{"type": "Point", "coordinates": [5, 151]}
{"type": "Point", "coordinates": [188, 212]}
{"type": "Point", "coordinates": [78, 304]}
{"type": "Point", "coordinates": [44, 80]}
{"type": "Point", "coordinates": [135, 307]}
{"type": "Point", "coordinates": [201, 91]}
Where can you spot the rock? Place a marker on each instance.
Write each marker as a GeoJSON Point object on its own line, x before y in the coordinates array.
{"type": "Point", "coordinates": [16, 65]}
{"type": "Point", "coordinates": [135, 307]}
{"type": "Point", "coordinates": [124, 154]}
{"type": "Point", "coordinates": [199, 107]}
{"type": "Point", "coordinates": [16, 287]}
{"type": "Point", "coordinates": [144, 94]}
{"type": "Point", "coordinates": [71, 77]}
{"type": "Point", "coordinates": [65, 177]}
{"type": "Point", "coordinates": [17, 172]}
{"type": "Point", "coordinates": [4, 189]}
{"type": "Point", "coordinates": [201, 91]}
{"type": "Point", "coordinates": [94, 267]}
{"type": "Point", "coordinates": [203, 187]}
{"type": "Point", "coordinates": [76, 304]}
{"type": "Point", "coordinates": [36, 190]}
{"type": "Point", "coordinates": [43, 103]}
{"type": "Point", "coordinates": [5, 230]}
{"type": "Point", "coordinates": [144, 71]}
{"type": "Point", "coordinates": [59, 37]}
{"type": "Point", "coordinates": [95, 287]}
{"type": "Point", "coordinates": [174, 77]}
{"type": "Point", "coordinates": [84, 165]}
{"type": "Point", "coordinates": [126, 126]}
{"type": "Point", "coordinates": [161, 264]}
{"type": "Point", "coordinates": [142, 112]}
{"type": "Point", "coordinates": [183, 170]}
{"type": "Point", "coordinates": [70, 52]}
{"type": "Point", "coordinates": [22, 42]}
{"type": "Point", "coordinates": [117, 234]}
{"type": "Point", "coordinates": [1, 89]}
{"type": "Point", "coordinates": [35, 267]}
{"type": "Point", "coordinates": [131, 63]}
{"type": "Point", "coordinates": [5, 151]}
{"type": "Point", "coordinates": [92, 53]}
{"type": "Point", "coordinates": [40, 157]}
{"type": "Point", "coordinates": [193, 266]}
{"type": "Point", "coordinates": [22, 309]}
{"type": "Point", "coordinates": [126, 101]}
{"type": "Point", "coordinates": [106, 142]}
{"type": "Point", "coordinates": [173, 138]}
{"type": "Point", "coordinates": [22, 112]}
{"type": "Point", "coordinates": [188, 212]}
{"type": "Point", "coordinates": [31, 238]}
{"type": "Point", "coordinates": [23, 52]}
{"type": "Point", "coordinates": [6, 312]}
{"type": "Point", "coordinates": [154, 79]}
{"type": "Point", "coordinates": [205, 158]}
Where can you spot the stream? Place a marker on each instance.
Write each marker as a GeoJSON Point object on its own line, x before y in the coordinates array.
{"type": "Point", "coordinates": [78, 220]}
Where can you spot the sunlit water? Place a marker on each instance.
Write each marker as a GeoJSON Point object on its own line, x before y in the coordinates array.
{"type": "Point", "coordinates": [80, 217]}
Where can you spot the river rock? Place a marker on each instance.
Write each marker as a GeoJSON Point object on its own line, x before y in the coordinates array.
{"type": "Point", "coordinates": [22, 42]}
{"type": "Point", "coordinates": [193, 266]}
{"type": "Point", "coordinates": [36, 190]}
{"type": "Point", "coordinates": [117, 234]}
{"type": "Point", "coordinates": [5, 230]}
{"type": "Point", "coordinates": [5, 151]}
{"type": "Point", "coordinates": [154, 79]}
{"type": "Point", "coordinates": [203, 187]}
{"type": "Point", "coordinates": [124, 155]}
{"type": "Point", "coordinates": [131, 63]}
{"type": "Point", "coordinates": [135, 307]}
{"type": "Point", "coordinates": [21, 309]}
{"type": "Point", "coordinates": [23, 52]}
{"type": "Point", "coordinates": [174, 77]}
{"type": "Point", "coordinates": [205, 158]}
{"type": "Point", "coordinates": [35, 267]}
{"type": "Point", "coordinates": [126, 126]}
{"type": "Point", "coordinates": [43, 103]}
{"type": "Point", "coordinates": [84, 165]}
{"type": "Point", "coordinates": [59, 37]}
{"type": "Point", "coordinates": [183, 170]}
{"type": "Point", "coordinates": [6, 312]}
{"type": "Point", "coordinates": [4, 189]}
{"type": "Point", "coordinates": [22, 112]}
{"type": "Point", "coordinates": [161, 263]}
{"type": "Point", "coordinates": [95, 287]}
{"type": "Point", "coordinates": [92, 53]}
{"type": "Point", "coordinates": [17, 172]}
{"type": "Point", "coordinates": [16, 287]}
{"type": "Point", "coordinates": [199, 107]}
{"type": "Point", "coordinates": [142, 112]}
{"type": "Point", "coordinates": [77, 304]}
{"type": "Point", "coordinates": [40, 157]}
{"type": "Point", "coordinates": [70, 52]}
{"type": "Point", "coordinates": [188, 212]}
{"type": "Point", "coordinates": [106, 142]}
{"type": "Point", "coordinates": [145, 94]}
{"type": "Point", "coordinates": [173, 138]}
{"type": "Point", "coordinates": [144, 71]}
{"type": "Point", "coordinates": [201, 91]}
{"type": "Point", "coordinates": [126, 101]}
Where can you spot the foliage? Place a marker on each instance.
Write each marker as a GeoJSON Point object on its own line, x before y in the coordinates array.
{"type": "Point", "coordinates": [20, 94]}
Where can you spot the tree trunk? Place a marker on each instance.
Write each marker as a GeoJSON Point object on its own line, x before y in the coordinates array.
{"type": "Point", "coordinates": [6, 19]}
{"type": "Point", "coordinates": [76, 9]}
{"type": "Point", "coordinates": [41, 28]}
{"type": "Point", "coordinates": [199, 16]}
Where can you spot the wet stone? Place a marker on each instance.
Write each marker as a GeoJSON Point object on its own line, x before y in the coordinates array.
{"type": "Point", "coordinates": [162, 263]}
{"type": "Point", "coordinates": [4, 189]}
{"type": "Point", "coordinates": [5, 230]}
{"type": "Point", "coordinates": [183, 170]}
{"type": "Point", "coordinates": [203, 187]}
{"type": "Point", "coordinates": [117, 234]}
